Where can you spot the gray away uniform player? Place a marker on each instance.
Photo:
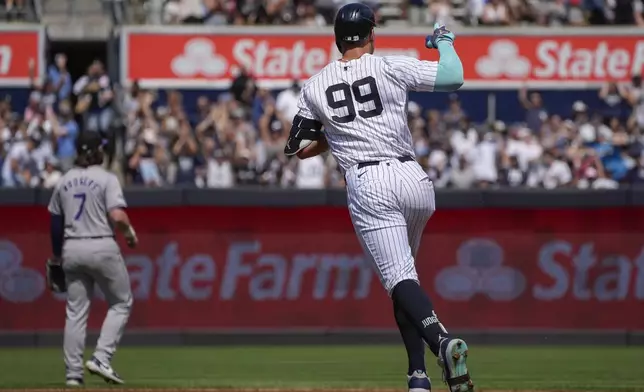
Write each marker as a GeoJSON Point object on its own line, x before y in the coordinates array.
{"type": "Point", "coordinates": [87, 202]}
{"type": "Point", "coordinates": [357, 108]}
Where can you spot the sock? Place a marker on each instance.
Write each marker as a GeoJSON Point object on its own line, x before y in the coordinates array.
{"type": "Point", "coordinates": [411, 338]}
{"type": "Point", "coordinates": [419, 310]}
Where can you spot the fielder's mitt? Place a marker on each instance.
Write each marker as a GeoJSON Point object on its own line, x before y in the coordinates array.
{"type": "Point", "coordinates": [56, 276]}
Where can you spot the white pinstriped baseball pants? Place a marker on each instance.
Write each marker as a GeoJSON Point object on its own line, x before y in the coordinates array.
{"type": "Point", "coordinates": [390, 205]}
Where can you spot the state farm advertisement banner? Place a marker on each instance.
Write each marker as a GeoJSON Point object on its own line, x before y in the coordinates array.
{"type": "Point", "coordinates": [232, 268]}
{"type": "Point", "coordinates": [206, 59]}
{"type": "Point", "coordinates": [18, 47]}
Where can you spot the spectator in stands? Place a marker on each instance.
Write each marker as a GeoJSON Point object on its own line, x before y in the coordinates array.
{"type": "Point", "coordinates": [435, 126]}
{"type": "Point", "coordinates": [625, 12]}
{"type": "Point", "coordinates": [15, 9]}
{"type": "Point", "coordinates": [5, 140]}
{"type": "Point", "coordinates": [274, 129]}
{"type": "Point", "coordinates": [485, 158]}
{"type": "Point", "coordinates": [636, 101]}
{"type": "Point", "coordinates": [535, 111]}
{"type": "Point", "coordinates": [551, 172]}
{"type": "Point", "coordinates": [287, 101]}
{"type": "Point", "coordinates": [243, 88]}
{"type": "Point", "coordinates": [308, 14]}
{"type": "Point", "coordinates": [552, 13]}
{"type": "Point", "coordinates": [462, 175]}
{"type": "Point", "coordinates": [419, 137]}
{"type": "Point", "coordinates": [34, 111]}
{"type": "Point", "coordinates": [183, 11]}
{"type": "Point", "coordinates": [440, 11]}
{"type": "Point", "coordinates": [20, 169]}
{"type": "Point", "coordinates": [204, 107]}
{"type": "Point", "coordinates": [511, 174]}
{"type": "Point", "coordinates": [277, 172]}
{"type": "Point", "coordinates": [94, 94]}
{"type": "Point", "coordinates": [131, 98]}
{"type": "Point", "coordinates": [592, 175]}
{"type": "Point", "coordinates": [218, 169]}
{"type": "Point", "coordinates": [60, 78]}
{"type": "Point", "coordinates": [278, 12]}
{"type": "Point", "coordinates": [636, 174]}
{"type": "Point", "coordinates": [454, 114]}
{"type": "Point", "coordinates": [496, 12]}
{"type": "Point", "coordinates": [50, 175]}
{"type": "Point", "coordinates": [65, 131]}
{"type": "Point", "coordinates": [311, 173]}
{"type": "Point", "coordinates": [240, 140]}
{"type": "Point", "coordinates": [206, 127]}
{"type": "Point", "coordinates": [142, 164]}
{"type": "Point", "coordinates": [613, 97]}
{"type": "Point", "coordinates": [464, 140]}
{"type": "Point", "coordinates": [174, 108]}
{"type": "Point", "coordinates": [184, 151]}
{"type": "Point", "coordinates": [524, 146]}
{"type": "Point", "coordinates": [522, 11]}
{"type": "Point", "coordinates": [438, 168]}
{"type": "Point", "coordinates": [264, 12]}
{"type": "Point", "coordinates": [576, 13]}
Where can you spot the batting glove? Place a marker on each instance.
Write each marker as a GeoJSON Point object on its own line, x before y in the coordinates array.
{"type": "Point", "coordinates": [440, 34]}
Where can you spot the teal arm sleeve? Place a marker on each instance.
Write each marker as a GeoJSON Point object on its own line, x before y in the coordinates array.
{"type": "Point", "coordinates": [449, 76]}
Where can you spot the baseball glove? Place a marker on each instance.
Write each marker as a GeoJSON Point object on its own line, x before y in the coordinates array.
{"type": "Point", "coordinates": [56, 276]}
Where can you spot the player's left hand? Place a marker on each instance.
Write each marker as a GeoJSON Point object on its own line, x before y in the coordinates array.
{"type": "Point", "coordinates": [131, 239]}
{"type": "Point", "coordinates": [56, 275]}
{"type": "Point", "coordinates": [440, 34]}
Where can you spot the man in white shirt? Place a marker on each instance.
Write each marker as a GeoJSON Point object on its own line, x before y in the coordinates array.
{"type": "Point", "coordinates": [17, 157]}
{"type": "Point", "coordinates": [553, 173]}
{"type": "Point", "coordinates": [311, 173]}
{"type": "Point", "coordinates": [484, 162]}
{"type": "Point", "coordinates": [525, 146]}
{"type": "Point", "coordinates": [220, 172]}
{"type": "Point", "coordinates": [286, 102]}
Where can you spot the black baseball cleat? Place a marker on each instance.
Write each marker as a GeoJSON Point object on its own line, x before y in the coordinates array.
{"type": "Point", "coordinates": [453, 359]}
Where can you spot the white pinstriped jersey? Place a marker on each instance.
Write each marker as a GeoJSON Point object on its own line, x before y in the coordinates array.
{"type": "Point", "coordinates": [363, 105]}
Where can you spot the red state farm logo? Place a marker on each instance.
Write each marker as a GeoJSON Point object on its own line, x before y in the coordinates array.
{"type": "Point", "coordinates": [479, 270]}
{"type": "Point", "coordinates": [503, 60]}
{"type": "Point", "coordinates": [18, 284]}
{"type": "Point", "coordinates": [199, 57]}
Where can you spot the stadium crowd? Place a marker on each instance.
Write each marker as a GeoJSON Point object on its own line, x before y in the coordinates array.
{"type": "Point", "coordinates": [321, 12]}
{"type": "Point", "coordinates": [238, 138]}
{"type": "Point", "coordinates": [415, 12]}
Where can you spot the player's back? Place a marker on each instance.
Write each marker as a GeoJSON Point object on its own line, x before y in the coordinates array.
{"type": "Point", "coordinates": [82, 194]}
{"type": "Point", "coordinates": [363, 105]}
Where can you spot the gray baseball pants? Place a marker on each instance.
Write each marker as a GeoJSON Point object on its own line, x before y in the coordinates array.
{"type": "Point", "coordinates": [87, 263]}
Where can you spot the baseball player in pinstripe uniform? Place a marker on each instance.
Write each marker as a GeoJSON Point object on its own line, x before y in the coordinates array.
{"type": "Point", "coordinates": [360, 101]}
{"type": "Point", "coordinates": [87, 202]}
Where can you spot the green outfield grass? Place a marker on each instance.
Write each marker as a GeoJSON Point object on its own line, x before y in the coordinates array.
{"type": "Point", "coordinates": [336, 367]}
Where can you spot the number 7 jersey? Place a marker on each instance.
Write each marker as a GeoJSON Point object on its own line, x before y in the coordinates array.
{"type": "Point", "coordinates": [84, 196]}
{"type": "Point", "coordinates": [362, 104]}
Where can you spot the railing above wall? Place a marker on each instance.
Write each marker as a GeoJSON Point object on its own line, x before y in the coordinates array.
{"type": "Point", "coordinates": [269, 197]}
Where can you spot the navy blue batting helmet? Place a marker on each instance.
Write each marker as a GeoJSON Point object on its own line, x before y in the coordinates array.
{"type": "Point", "coordinates": [353, 24]}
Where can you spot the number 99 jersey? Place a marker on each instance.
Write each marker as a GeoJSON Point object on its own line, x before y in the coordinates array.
{"type": "Point", "coordinates": [362, 104]}
{"type": "Point", "coordinates": [84, 197]}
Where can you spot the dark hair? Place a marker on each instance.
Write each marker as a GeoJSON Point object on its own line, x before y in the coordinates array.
{"type": "Point", "coordinates": [89, 158]}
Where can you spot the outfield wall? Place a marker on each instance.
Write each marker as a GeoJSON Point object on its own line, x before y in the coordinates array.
{"type": "Point", "coordinates": [284, 266]}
